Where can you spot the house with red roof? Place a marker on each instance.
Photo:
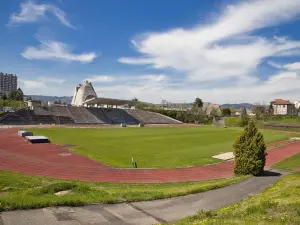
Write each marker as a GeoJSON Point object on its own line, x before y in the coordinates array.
{"type": "Point", "coordinates": [283, 107]}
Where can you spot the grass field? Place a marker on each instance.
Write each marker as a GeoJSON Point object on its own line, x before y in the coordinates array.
{"type": "Point", "coordinates": [279, 204]}
{"type": "Point", "coordinates": [291, 163]}
{"type": "Point", "coordinates": [25, 192]}
{"type": "Point", "coordinates": [284, 119]}
{"type": "Point", "coordinates": [151, 147]}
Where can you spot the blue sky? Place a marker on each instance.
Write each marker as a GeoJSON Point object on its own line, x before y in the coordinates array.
{"type": "Point", "coordinates": [220, 51]}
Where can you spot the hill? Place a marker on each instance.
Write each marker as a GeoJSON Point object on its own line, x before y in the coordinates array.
{"type": "Point", "coordinates": [238, 106]}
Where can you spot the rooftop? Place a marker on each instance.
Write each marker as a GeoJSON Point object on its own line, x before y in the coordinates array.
{"type": "Point", "coordinates": [281, 102]}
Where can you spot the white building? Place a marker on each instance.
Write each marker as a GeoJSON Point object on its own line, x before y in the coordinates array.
{"type": "Point", "coordinates": [32, 103]}
{"type": "Point", "coordinates": [82, 93]}
{"type": "Point", "coordinates": [297, 104]}
{"type": "Point", "coordinates": [283, 107]}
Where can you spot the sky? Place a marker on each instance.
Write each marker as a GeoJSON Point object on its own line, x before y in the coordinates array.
{"type": "Point", "coordinates": [221, 51]}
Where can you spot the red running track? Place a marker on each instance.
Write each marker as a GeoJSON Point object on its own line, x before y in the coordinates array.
{"type": "Point", "coordinates": [46, 160]}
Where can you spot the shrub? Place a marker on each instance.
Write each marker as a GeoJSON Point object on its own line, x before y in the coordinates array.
{"type": "Point", "coordinates": [249, 151]}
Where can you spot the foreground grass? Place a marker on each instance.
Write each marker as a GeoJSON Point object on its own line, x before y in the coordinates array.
{"type": "Point", "coordinates": [279, 204]}
{"type": "Point", "coordinates": [26, 192]}
{"type": "Point", "coordinates": [291, 164]}
{"type": "Point", "coordinates": [151, 147]}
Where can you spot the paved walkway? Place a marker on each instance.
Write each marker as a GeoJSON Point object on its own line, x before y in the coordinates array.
{"type": "Point", "coordinates": [58, 162]}
{"type": "Point", "coordinates": [149, 212]}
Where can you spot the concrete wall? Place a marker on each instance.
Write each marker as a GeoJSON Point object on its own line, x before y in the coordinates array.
{"type": "Point", "coordinates": [83, 92]}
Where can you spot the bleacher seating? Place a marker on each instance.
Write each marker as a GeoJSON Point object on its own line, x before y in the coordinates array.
{"type": "Point", "coordinates": [59, 111]}
{"type": "Point", "coordinates": [148, 117]}
{"type": "Point", "coordinates": [40, 110]}
{"type": "Point", "coordinates": [82, 115]}
{"type": "Point", "coordinates": [29, 117]}
{"type": "Point", "coordinates": [119, 116]}
{"type": "Point", "coordinates": [101, 116]}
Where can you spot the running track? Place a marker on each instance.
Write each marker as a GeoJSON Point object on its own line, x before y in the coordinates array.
{"type": "Point", "coordinates": [47, 160]}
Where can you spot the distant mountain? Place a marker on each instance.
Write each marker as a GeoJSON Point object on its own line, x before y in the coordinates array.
{"type": "Point", "coordinates": [67, 99]}
{"type": "Point", "coordinates": [238, 106]}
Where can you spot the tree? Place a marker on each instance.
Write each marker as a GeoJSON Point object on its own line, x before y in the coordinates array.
{"type": "Point", "coordinates": [16, 95]}
{"type": "Point", "coordinates": [4, 97]}
{"type": "Point", "coordinates": [249, 151]}
{"type": "Point", "coordinates": [12, 95]}
{"type": "Point", "coordinates": [259, 111]}
{"type": "Point", "coordinates": [244, 117]}
{"type": "Point", "coordinates": [214, 112]}
{"type": "Point", "coordinates": [133, 102]}
{"type": "Point", "coordinates": [271, 110]}
{"type": "Point", "coordinates": [19, 95]}
{"type": "Point", "coordinates": [164, 103]}
{"type": "Point", "coordinates": [198, 103]}
{"type": "Point", "coordinates": [141, 105]}
{"type": "Point", "coordinates": [226, 112]}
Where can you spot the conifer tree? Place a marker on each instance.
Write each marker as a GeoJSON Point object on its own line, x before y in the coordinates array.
{"type": "Point", "coordinates": [249, 151]}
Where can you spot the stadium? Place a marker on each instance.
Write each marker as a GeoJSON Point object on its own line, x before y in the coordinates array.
{"type": "Point", "coordinates": [100, 150]}
{"type": "Point", "coordinates": [165, 143]}
{"type": "Point", "coordinates": [86, 108]}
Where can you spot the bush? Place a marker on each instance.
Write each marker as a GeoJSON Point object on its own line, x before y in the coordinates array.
{"type": "Point", "coordinates": [249, 151]}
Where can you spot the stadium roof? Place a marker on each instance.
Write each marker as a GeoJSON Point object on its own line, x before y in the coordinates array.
{"type": "Point", "coordinates": [107, 101]}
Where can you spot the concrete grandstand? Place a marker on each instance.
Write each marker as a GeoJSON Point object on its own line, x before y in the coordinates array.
{"type": "Point", "coordinates": [86, 108]}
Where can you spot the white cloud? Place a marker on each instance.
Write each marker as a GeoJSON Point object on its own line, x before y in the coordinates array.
{"type": "Point", "coordinates": [51, 80]}
{"type": "Point", "coordinates": [292, 66]}
{"type": "Point", "coordinates": [217, 61]}
{"type": "Point", "coordinates": [292, 52]}
{"type": "Point", "coordinates": [135, 61]}
{"type": "Point", "coordinates": [53, 50]}
{"type": "Point", "coordinates": [33, 84]}
{"type": "Point", "coordinates": [155, 78]}
{"type": "Point", "coordinates": [100, 79]}
{"type": "Point", "coordinates": [222, 49]}
{"type": "Point", "coordinates": [127, 78]}
{"type": "Point", "coordinates": [275, 65]}
{"type": "Point", "coordinates": [41, 82]}
{"type": "Point", "coordinates": [281, 85]}
{"type": "Point", "coordinates": [31, 12]}
{"type": "Point", "coordinates": [282, 76]}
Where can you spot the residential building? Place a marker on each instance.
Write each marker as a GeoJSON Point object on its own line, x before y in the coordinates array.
{"type": "Point", "coordinates": [8, 82]}
{"type": "Point", "coordinates": [32, 103]}
{"type": "Point", "coordinates": [283, 107]}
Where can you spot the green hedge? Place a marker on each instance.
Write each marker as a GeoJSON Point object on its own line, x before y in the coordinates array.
{"type": "Point", "coordinates": [233, 122]}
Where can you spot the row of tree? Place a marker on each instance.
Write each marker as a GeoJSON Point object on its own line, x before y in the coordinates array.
{"type": "Point", "coordinates": [197, 114]}
{"type": "Point", "coordinates": [15, 95]}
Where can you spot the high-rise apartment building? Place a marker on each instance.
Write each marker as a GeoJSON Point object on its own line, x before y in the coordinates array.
{"type": "Point", "coordinates": [8, 82]}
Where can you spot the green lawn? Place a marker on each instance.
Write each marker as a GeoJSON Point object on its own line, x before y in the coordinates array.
{"type": "Point", "coordinates": [24, 192]}
{"type": "Point", "coordinates": [284, 119]}
{"type": "Point", "coordinates": [291, 163]}
{"type": "Point", "coordinates": [279, 204]}
{"type": "Point", "coordinates": [151, 147]}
